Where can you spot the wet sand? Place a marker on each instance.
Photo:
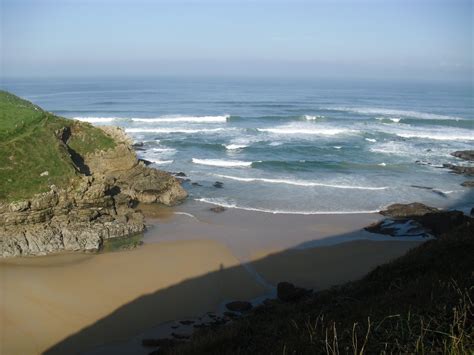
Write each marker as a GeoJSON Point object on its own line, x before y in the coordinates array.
{"type": "Point", "coordinates": [193, 260]}
{"type": "Point", "coordinates": [45, 299]}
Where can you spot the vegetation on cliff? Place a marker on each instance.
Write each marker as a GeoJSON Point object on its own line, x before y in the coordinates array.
{"type": "Point", "coordinates": [32, 155]}
{"type": "Point", "coordinates": [422, 302]}
{"type": "Point", "coordinates": [67, 185]}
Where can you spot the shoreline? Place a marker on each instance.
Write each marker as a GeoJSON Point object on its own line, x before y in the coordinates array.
{"type": "Point", "coordinates": [188, 250]}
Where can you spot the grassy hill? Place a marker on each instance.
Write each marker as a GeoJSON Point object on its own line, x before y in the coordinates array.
{"type": "Point", "coordinates": [30, 145]}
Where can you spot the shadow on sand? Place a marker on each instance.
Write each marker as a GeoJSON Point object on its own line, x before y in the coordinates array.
{"type": "Point", "coordinates": [319, 268]}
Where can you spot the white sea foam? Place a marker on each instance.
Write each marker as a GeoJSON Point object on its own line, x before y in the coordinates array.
{"type": "Point", "coordinates": [438, 136]}
{"type": "Point", "coordinates": [172, 130]}
{"type": "Point", "coordinates": [223, 163]}
{"type": "Point", "coordinates": [160, 162]}
{"type": "Point", "coordinates": [96, 119]}
{"type": "Point", "coordinates": [394, 112]}
{"type": "Point", "coordinates": [300, 183]}
{"type": "Point", "coordinates": [337, 147]}
{"type": "Point", "coordinates": [226, 204]}
{"type": "Point", "coordinates": [393, 147]}
{"type": "Point", "coordinates": [312, 118]}
{"type": "Point", "coordinates": [164, 150]}
{"type": "Point", "coordinates": [393, 119]}
{"type": "Point", "coordinates": [382, 164]}
{"type": "Point", "coordinates": [305, 131]}
{"type": "Point", "coordinates": [235, 146]}
{"type": "Point", "coordinates": [185, 214]}
{"type": "Point", "coordinates": [371, 140]}
{"type": "Point", "coordinates": [172, 119]}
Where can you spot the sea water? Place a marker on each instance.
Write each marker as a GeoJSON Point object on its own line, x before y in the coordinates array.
{"type": "Point", "coordinates": [284, 146]}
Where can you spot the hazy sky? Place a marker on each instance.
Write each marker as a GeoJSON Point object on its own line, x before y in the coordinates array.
{"type": "Point", "coordinates": [420, 39]}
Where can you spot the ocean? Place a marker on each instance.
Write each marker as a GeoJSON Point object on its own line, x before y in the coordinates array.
{"type": "Point", "coordinates": [284, 146]}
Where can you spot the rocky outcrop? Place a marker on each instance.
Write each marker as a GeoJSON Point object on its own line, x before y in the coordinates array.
{"type": "Point", "coordinates": [98, 204]}
{"type": "Point", "coordinates": [400, 210]}
{"type": "Point", "coordinates": [78, 218]}
{"type": "Point", "coordinates": [416, 219]}
{"type": "Point", "coordinates": [464, 154]}
{"type": "Point", "coordinates": [134, 178]}
{"type": "Point", "coordinates": [458, 169]}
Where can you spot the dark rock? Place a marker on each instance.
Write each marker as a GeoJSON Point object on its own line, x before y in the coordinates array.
{"type": "Point", "coordinates": [468, 183]}
{"type": "Point", "coordinates": [417, 220]}
{"type": "Point", "coordinates": [464, 170]}
{"type": "Point", "coordinates": [443, 221]}
{"type": "Point", "coordinates": [180, 174]}
{"type": "Point", "coordinates": [196, 184]}
{"type": "Point", "coordinates": [138, 146]}
{"type": "Point", "coordinates": [399, 210]}
{"type": "Point", "coordinates": [398, 228]}
{"type": "Point", "coordinates": [288, 292]}
{"type": "Point", "coordinates": [239, 306]}
{"type": "Point", "coordinates": [218, 184]}
{"type": "Point", "coordinates": [217, 209]}
{"type": "Point", "coordinates": [464, 154]}
{"type": "Point", "coordinates": [146, 162]}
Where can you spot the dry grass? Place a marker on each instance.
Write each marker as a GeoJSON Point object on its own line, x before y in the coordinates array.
{"type": "Point", "coordinates": [420, 303]}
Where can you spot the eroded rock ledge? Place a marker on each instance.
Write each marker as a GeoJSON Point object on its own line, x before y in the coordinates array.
{"type": "Point", "coordinates": [98, 204]}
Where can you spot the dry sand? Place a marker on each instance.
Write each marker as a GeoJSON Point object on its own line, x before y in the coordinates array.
{"type": "Point", "coordinates": [191, 263]}
{"type": "Point", "coordinates": [45, 299]}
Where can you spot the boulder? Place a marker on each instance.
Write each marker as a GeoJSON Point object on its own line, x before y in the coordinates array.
{"type": "Point", "coordinates": [468, 183]}
{"type": "Point", "coordinates": [217, 209]}
{"type": "Point", "coordinates": [464, 154]}
{"type": "Point", "coordinates": [287, 292]}
{"type": "Point", "coordinates": [464, 170]}
{"type": "Point", "coordinates": [399, 210]}
{"type": "Point", "coordinates": [218, 184]}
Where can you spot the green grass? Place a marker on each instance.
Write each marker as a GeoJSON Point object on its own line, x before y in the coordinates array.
{"type": "Point", "coordinates": [30, 146]}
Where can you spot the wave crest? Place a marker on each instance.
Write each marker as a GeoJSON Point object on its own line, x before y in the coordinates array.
{"type": "Point", "coordinates": [223, 163]}
{"type": "Point", "coordinates": [172, 119]}
{"type": "Point", "coordinates": [226, 204]}
{"type": "Point", "coordinates": [300, 183]}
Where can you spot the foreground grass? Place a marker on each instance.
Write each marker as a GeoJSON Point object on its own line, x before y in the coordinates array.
{"type": "Point", "coordinates": [419, 303]}
{"type": "Point", "coordinates": [32, 157]}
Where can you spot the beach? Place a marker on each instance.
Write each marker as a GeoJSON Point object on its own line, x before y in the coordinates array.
{"type": "Point", "coordinates": [192, 262]}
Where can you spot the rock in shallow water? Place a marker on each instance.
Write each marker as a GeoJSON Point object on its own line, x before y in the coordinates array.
{"type": "Point", "coordinates": [399, 210]}
{"type": "Point", "coordinates": [217, 209]}
{"type": "Point", "coordinates": [464, 154]}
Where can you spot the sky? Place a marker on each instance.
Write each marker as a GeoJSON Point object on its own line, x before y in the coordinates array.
{"type": "Point", "coordinates": [373, 39]}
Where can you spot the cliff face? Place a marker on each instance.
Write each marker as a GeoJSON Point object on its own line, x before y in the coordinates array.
{"type": "Point", "coordinates": [97, 204]}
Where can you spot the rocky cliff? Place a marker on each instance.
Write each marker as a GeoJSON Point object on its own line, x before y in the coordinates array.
{"type": "Point", "coordinates": [98, 203]}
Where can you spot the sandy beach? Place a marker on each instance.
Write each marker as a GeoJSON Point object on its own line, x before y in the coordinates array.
{"type": "Point", "coordinates": [192, 261]}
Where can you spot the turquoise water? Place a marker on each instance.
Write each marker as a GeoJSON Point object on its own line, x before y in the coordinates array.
{"type": "Point", "coordinates": [302, 146]}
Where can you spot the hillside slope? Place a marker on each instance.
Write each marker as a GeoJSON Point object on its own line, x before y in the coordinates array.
{"type": "Point", "coordinates": [422, 302]}
{"type": "Point", "coordinates": [67, 185]}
